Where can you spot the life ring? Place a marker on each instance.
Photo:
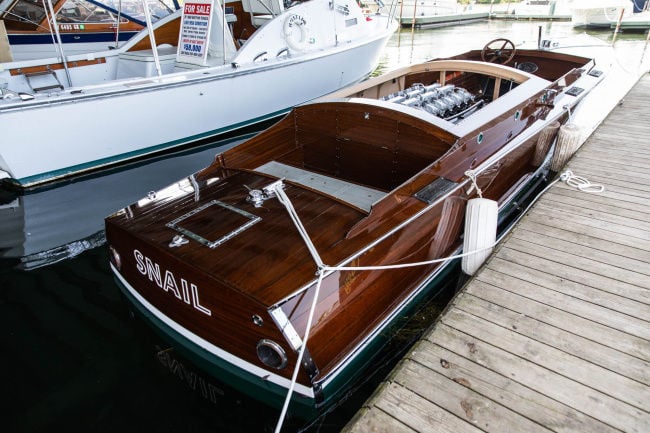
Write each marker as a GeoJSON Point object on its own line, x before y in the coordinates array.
{"type": "Point", "coordinates": [295, 32]}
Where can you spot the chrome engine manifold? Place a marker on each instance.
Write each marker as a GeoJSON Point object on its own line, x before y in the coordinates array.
{"type": "Point", "coordinates": [447, 102]}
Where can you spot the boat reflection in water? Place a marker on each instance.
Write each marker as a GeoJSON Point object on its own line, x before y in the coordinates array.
{"type": "Point", "coordinates": [46, 225]}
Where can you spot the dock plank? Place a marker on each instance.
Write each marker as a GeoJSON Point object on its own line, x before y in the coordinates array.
{"type": "Point", "coordinates": [587, 240]}
{"type": "Point", "coordinates": [626, 302]}
{"type": "Point", "coordinates": [635, 227]}
{"type": "Point", "coordinates": [610, 230]}
{"type": "Point", "coordinates": [576, 306]}
{"type": "Point", "coordinates": [463, 402]}
{"type": "Point", "coordinates": [567, 320]}
{"type": "Point", "coordinates": [617, 269]}
{"type": "Point", "coordinates": [570, 199]}
{"type": "Point", "coordinates": [550, 358]}
{"type": "Point", "coordinates": [501, 390]}
{"type": "Point", "coordinates": [404, 402]}
{"type": "Point", "coordinates": [574, 226]}
{"type": "Point", "coordinates": [605, 258]}
{"type": "Point", "coordinates": [556, 337]}
{"type": "Point", "coordinates": [581, 398]}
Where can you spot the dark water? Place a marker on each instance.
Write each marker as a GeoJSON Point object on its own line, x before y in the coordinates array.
{"type": "Point", "coordinates": [74, 359]}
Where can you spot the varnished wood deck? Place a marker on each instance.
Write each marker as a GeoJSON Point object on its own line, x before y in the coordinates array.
{"type": "Point", "coordinates": [553, 334]}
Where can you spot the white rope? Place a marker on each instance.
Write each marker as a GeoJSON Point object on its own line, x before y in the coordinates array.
{"type": "Point", "coordinates": [282, 197]}
{"type": "Point", "coordinates": [471, 174]}
{"type": "Point", "coordinates": [294, 378]}
{"type": "Point", "coordinates": [581, 183]}
{"type": "Point", "coordinates": [406, 265]}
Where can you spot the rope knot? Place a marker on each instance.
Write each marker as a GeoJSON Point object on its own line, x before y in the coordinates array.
{"type": "Point", "coordinates": [472, 176]}
{"type": "Point", "coordinates": [580, 183]}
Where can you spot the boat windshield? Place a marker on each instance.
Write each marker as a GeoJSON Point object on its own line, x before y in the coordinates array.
{"type": "Point", "coordinates": [31, 14]}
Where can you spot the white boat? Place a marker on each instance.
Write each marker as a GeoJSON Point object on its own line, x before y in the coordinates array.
{"type": "Point", "coordinates": [437, 13]}
{"type": "Point", "coordinates": [35, 229]}
{"type": "Point", "coordinates": [423, 8]}
{"type": "Point", "coordinates": [601, 13]}
{"type": "Point", "coordinates": [59, 119]}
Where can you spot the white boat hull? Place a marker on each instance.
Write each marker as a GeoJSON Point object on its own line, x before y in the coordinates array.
{"type": "Point", "coordinates": [599, 14]}
{"type": "Point", "coordinates": [44, 139]}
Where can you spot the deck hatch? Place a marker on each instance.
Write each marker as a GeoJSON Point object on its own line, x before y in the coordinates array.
{"type": "Point", "coordinates": [435, 190]}
{"type": "Point", "coordinates": [575, 91]}
{"type": "Point", "coordinates": [216, 221]}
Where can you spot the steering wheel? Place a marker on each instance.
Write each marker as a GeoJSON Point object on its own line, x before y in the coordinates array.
{"type": "Point", "coordinates": [498, 51]}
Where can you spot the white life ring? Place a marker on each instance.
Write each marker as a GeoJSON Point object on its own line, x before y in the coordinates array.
{"type": "Point", "coordinates": [295, 32]}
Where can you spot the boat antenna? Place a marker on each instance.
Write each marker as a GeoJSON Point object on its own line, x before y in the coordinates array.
{"type": "Point", "coordinates": [55, 25]}
{"type": "Point", "coordinates": [224, 23]}
{"type": "Point", "coordinates": [152, 37]}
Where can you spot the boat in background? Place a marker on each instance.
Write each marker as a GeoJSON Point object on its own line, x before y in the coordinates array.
{"type": "Point", "coordinates": [282, 266]}
{"type": "Point", "coordinates": [608, 14]}
{"type": "Point", "coordinates": [437, 13]}
{"type": "Point", "coordinates": [198, 82]}
{"type": "Point", "coordinates": [83, 26]}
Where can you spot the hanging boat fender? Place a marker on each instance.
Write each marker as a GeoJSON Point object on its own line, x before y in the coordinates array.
{"type": "Point", "coordinates": [295, 32]}
{"type": "Point", "coordinates": [480, 230]}
{"type": "Point", "coordinates": [544, 142]}
{"type": "Point", "coordinates": [568, 141]}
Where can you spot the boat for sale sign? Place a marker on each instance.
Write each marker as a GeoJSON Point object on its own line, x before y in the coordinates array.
{"type": "Point", "coordinates": [195, 32]}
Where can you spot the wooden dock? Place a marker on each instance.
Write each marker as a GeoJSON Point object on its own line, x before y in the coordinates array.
{"type": "Point", "coordinates": [553, 333]}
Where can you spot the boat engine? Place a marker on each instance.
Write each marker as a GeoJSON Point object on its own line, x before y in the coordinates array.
{"type": "Point", "coordinates": [447, 102]}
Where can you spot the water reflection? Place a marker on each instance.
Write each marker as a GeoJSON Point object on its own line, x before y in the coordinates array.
{"type": "Point", "coordinates": [72, 357]}
{"type": "Point", "coordinates": [46, 225]}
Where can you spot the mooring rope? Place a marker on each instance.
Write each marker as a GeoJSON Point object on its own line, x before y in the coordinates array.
{"type": "Point", "coordinates": [278, 189]}
{"type": "Point", "coordinates": [471, 174]}
{"type": "Point", "coordinates": [580, 183]}
{"type": "Point", "coordinates": [294, 377]}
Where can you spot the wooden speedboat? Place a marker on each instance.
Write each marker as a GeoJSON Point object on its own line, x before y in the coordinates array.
{"type": "Point", "coordinates": [228, 261]}
{"type": "Point", "coordinates": [199, 81]}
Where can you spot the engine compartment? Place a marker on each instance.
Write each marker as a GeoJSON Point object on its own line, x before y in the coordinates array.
{"type": "Point", "coordinates": [448, 102]}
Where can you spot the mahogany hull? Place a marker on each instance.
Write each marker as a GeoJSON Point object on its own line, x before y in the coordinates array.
{"type": "Point", "coordinates": [227, 262]}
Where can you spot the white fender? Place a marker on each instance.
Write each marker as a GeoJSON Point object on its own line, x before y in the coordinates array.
{"type": "Point", "coordinates": [295, 32]}
{"type": "Point", "coordinates": [480, 232]}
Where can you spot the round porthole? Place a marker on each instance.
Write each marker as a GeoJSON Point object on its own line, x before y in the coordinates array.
{"type": "Point", "coordinates": [271, 354]}
{"type": "Point", "coordinates": [479, 139]}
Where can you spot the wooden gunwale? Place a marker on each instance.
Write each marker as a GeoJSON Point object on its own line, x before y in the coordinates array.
{"type": "Point", "coordinates": [54, 66]}
{"type": "Point", "coordinates": [441, 66]}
